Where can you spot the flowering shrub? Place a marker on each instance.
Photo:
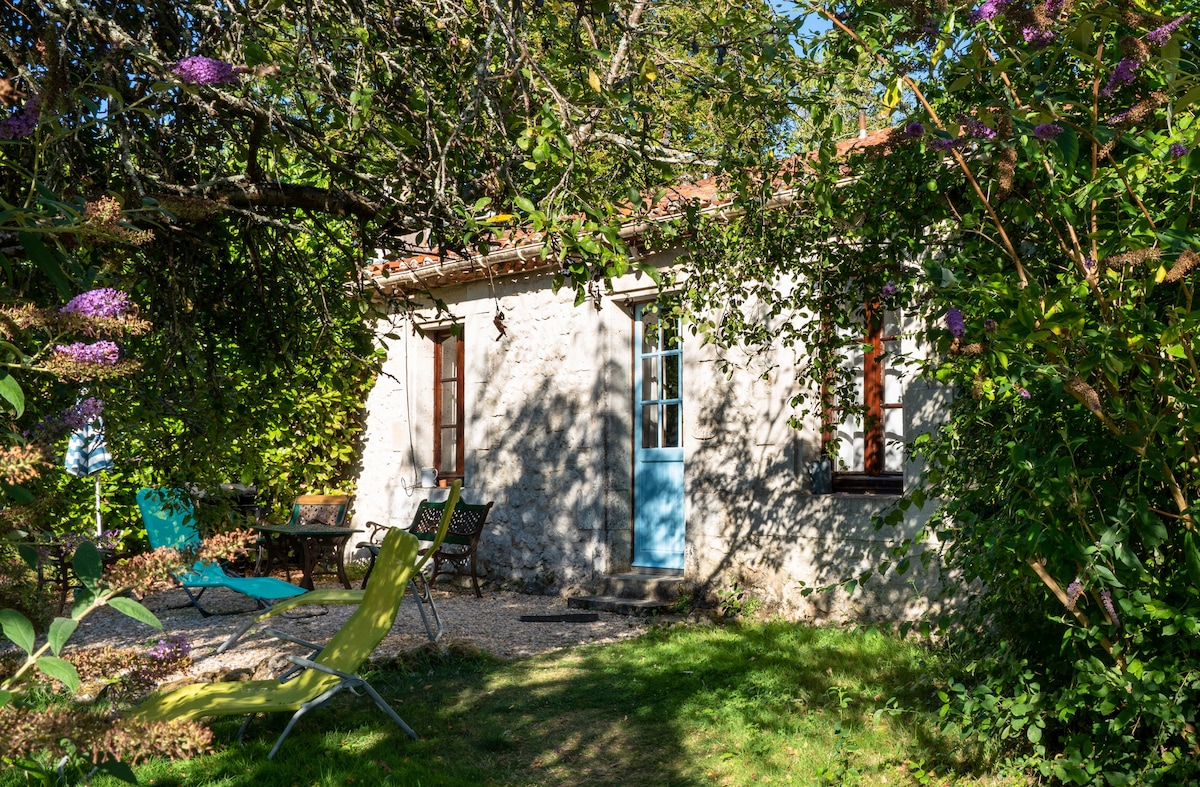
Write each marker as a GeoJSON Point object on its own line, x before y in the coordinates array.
{"type": "Point", "coordinates": [1046, 234]}
{"type": "Point", "coordinates": [200, 70]}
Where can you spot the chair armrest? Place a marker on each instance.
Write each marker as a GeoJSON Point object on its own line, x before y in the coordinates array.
{"type": "Point", "coordinates": [300, 661]}
{"type": "Point", "coordinates": [329, 596]}
{"type": "Point", "coordinates": [294, 640]}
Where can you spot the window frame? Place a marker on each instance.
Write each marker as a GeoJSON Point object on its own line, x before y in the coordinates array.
{"type": "Point", "coordinates": [873, 478]}
{"type": "Point", "coordinates": [439, 422]}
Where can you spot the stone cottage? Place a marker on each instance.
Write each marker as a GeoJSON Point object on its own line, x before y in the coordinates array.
{"type": "Point", "coordinates": [611, 441]}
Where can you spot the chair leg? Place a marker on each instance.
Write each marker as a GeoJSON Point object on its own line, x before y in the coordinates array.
{"type": "Point", "coordinates": [475, 577]}
{"type": "Point", "coordinates": [370, 568]}
{"type": "Point", "coordinates": [383, 706]}
{"type": "Point", "coordinates": [420, 598]}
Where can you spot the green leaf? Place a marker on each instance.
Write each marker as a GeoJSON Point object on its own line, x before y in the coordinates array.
{"type": "Point", "coordinates": [87, 563]}
{"type": "Point", "coordinates": [132, 609]}
{"type": "Point", "coordinates": [1068, 146]}
{"type": "Point", "coordinates": [29, 554]}
{"type": "Point", "coordinates": [48, 262]}
{"type": "Point", "coordinates": [18, 494]}
{"type": "Point", "coordinates": [118, 770]}
{"type": "Point", "coordinates": [1191, 556]}
{"type": "Point", "coordinates": [17, 628]}
{"type": "Point", "coordinates": [10, 391]}
{"type": "Point", "coordinates": [525, 204]}
{"type": "Point", "coordinates": [61, 630]}
{"type": "Point", "coordinates": [59, 669]}
{"type": "Point", "coordinates": [5, 697]}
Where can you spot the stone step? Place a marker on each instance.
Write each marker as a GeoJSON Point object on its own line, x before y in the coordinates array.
{"type": "Point", "coordinates": [619, 605]}
{"type": "Point", "coordinates": [645, 584]}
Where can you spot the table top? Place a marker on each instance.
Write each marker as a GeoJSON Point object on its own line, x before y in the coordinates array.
{"type": "Point", "coordinates": [307, 531]}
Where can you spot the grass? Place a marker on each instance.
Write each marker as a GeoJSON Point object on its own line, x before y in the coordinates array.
{"type": "Point", "coordinates": [772, 703]}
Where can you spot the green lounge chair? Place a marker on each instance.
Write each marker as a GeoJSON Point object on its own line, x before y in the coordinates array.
{"type": "Point", "coordinates": [329, 670]}
{"type": "Point", "coordinates": [170, 522]}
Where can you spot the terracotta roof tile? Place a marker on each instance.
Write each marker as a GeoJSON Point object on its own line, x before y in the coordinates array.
{"type": "Point", "coordinates": [519, 250]}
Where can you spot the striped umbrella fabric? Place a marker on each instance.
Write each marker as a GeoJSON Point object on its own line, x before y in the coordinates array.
{"type": "Point", "coordinates": [87, 450]}
{"type": "Point", "coordinates": [87, 454]}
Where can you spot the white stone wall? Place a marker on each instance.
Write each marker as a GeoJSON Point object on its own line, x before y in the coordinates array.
{"type": "Point", "coordinates": [549, 439]}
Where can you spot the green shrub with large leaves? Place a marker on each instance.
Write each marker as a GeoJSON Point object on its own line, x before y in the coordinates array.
{"type": "Point", "coordinates": [1035, 209]}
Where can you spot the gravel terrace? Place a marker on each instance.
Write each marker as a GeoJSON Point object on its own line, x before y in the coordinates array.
{"type": "Point", "coordinates": [491, 623]}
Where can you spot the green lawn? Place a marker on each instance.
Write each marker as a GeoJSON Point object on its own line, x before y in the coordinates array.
{"type": "Point", "coordinates": [773, 703]}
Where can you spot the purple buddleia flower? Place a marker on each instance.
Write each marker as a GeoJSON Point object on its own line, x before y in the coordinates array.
{"type": "Point", "coordinates": [200, 70]}
{"type": "Point", "coordinates": [22, 123]}
{"type": "Point", "coordinates": [1089, 263]}
{"type": "Point", "coordinates": [977, 129]}
{"type": "Point", "coordinates": [1161, 35]}
{"type": "Point", "coordinates": [172, 647]}
{"type": "Point", "coordinates": [954, 321]}
{"type": "Point", "coordinates": [989, 325]}
{"type": "Point", "coordinates": [1074, 591]}
{"type": "Point", "coordinates": [1037, 37]}
{"type": "Point", "coordinates": [101, 353]}
{"type": "Point", "coordinates": [914, 129]}
{"type": "Point", "coordinates": [1106, 600]}
{"type": "Point", "coordinates": [888, 290]}
{"type": "Point", "coordinates": [81, 413]}
{"type": "Point", "coordinates": [988, 9]}
{"type": "Point", "coordinates": [1178, 150]}
{"type": "Point", "coordinates": [1121, 75]}
{"type": "Point", "coordinates": [944, 144]}
{"type": "Point", "coordinates": [1024, 393]}
{"type": "Point", "coordinates": [1054, 7]}
{"type": "Point", "coordinates": [104, 302]}
{"type": "Point", "coordinates": [1047, 131]}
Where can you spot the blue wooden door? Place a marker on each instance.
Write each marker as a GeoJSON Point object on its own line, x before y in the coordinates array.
{"type": "Point", "coordinates": [658, 516]}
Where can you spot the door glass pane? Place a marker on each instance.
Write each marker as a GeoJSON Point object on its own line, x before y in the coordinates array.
{"type": "Point", "coordinates": [850, 445]}
{"type": "Point", "coordinates": [891, 323]}
{"type": "Point", "coordinates": [449, 401]}
{"type": "Point", "coordinates": [670, 376]}
{"type": "Point", "coordinates": [670, 334]}
{"type": "Point", "coordinates": [893, 387]}
{"type": "Point", "coordinates": [450, 357]}
{"type": "Point", "coordinates": [670, 438]}
{"type": "Point", "coordinates": [649, 333]}
{"type": "Point", "coordinates": [449, 457]}
{"type": "Point", "coordinates": [650, 426]}
{"type": "Point", "coordinates": [893, 435]}
{"type": "Point", "coordinates": [649, 379]}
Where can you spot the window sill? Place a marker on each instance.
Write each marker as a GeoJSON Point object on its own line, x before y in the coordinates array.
{"type": "Point", "coordinates": [890, 484]}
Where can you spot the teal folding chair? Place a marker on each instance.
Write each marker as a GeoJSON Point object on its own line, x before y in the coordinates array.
{"type": "Point", "coordinates": [170, 522]}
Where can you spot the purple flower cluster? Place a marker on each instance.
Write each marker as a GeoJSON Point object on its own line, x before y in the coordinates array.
{"type": "Point", "coordinates": [1054, 7]}
{"type": "Point", "coordinates": [1106, 600]}
{"type": "Point", "coordinates": [81, 413]}
{"type": "Point", "coordinates": [101, 353]}
{"type": "Point", "coordinates": [989, 9]}
{"type": "Point", "coordinates": [914, 129]}
{"type": "Point", "coordinates": [1161, 35]}
{"type": "Point", "coordinates": [1089, 263]}
{"type": "Point", "coordinates": [23, 122]}
{"type": "Point", "coordinates": [1122, 75]}
{"type": "Point", "coordinates": [888, 290]}
{"type": "Point", "coordinates": [1037, 37]}
{"type": "Point", "coordinates": [173, 647]}
{"type": "Point", "coordinates": [1178, 150]}
{"type": "Point", "coordinates": [67, 543]}
{"type": "Point", "coordinates": [104, 302]}
{"type": "Point", "coordinates": [1047, 131]}
{"type": "Point", "coordinates": [945, 144]}
{"type": "Point", "coordinates": [989, 325]}
{"type": "Point", "coordinates": [977, 129]}
{"type": "Point", "coordinates": [954, 321]}
{"type": "Point", "coordinates": [1024, 393]}
{"type": "Point", "coordinates": [1074, 591]}
{"type": "Point", "coordinates": [200, 70]}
